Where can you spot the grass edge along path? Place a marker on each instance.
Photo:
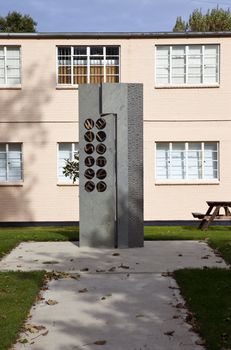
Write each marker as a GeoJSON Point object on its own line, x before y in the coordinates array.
{"type": "Point", "coordinates": [207, 295]}
{"type": "Point", "coordinates": [18, 291]}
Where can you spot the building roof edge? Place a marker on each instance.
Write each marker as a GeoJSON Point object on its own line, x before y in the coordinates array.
{"type": "Point", "coordinates": [111, 35]}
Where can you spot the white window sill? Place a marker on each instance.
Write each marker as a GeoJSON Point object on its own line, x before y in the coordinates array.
{"type": "Point", "coordinates": [10, 87]}
{"type": "Point", "coordinates": [187, 86]}
{"type": "Point", "coordinates": [67, 87]}
{"type": "Point", "coordinates": [4, 184]}
{"type": "Point", "coordinates": [67, 184]}
{"type": "Point", "coordinates": [186, 182]}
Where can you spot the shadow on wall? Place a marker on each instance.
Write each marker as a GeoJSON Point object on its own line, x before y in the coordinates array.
{"type": "Point", "coordinates": [21, 117]}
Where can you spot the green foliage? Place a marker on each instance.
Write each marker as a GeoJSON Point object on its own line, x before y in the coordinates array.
{"type": "Point", "coordinates": [180, 25]}
{"type": "Point", "coordinates": [15, 22]}
{"type": "Point", "coordinates": [71, 169]}
{"type": "Point", "coordinates": [214, 20]}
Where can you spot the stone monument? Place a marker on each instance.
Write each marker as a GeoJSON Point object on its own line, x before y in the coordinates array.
{"type": "Point", "coordinates": [111, 165]}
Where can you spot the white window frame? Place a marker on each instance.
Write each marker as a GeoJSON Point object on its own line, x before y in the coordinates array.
{"type": "Point", "coordinates": [67, 181]}
{"type": "Point", "coordinates": [187, 180]}
{"type": "Point", "coordinates": [6, 84]}
{"type": "Point", "coordinates": [88, 63]}
{"type": "Point", "coordinates": [186, 84]}
{"type": "Point", "coordinates": [8, 181]}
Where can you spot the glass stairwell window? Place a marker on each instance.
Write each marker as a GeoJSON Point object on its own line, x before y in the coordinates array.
{"type": "Point", "coordinates": [88, 64]}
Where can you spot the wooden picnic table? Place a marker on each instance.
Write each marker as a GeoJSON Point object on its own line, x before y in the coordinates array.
{"type": "Point", "coordinates": [214, 213]}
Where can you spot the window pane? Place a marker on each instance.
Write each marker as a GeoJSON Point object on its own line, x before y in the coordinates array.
{"type": "Point", "coordinates": [162, 161]}
{"type": "Point", "coordinates": [210, 160]}
{"type": "Point", "coordinates": [194, 160]}
{"type": "Point", "coordinates": [96, 50]}
{"type": "Point", "coordinates": [66, 151]}
{"type": "Point", "coordinates": [194, 64]}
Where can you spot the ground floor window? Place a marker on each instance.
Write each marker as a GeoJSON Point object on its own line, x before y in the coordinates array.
{"type": "Point", "coordinates": [10, 162]}
{"type": "Point", "coordinates": [66, 151]}
{"type": "Point", "coordinates": [187, 160]}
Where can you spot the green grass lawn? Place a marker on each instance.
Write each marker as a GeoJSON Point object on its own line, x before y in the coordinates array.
{"type": "Point", "coordinates": [208, 295]}
{"type": "Point", "coordinates": [207, 292]}
{"type": "Point", "coordinates": [11, 237]}
{"type": "Point", "coordinates": [18, 291]}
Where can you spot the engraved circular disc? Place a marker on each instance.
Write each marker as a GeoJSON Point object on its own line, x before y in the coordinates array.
{"type": "Point", "coordinates": [101, 136]}
{"type": "Point", "coordinates": [89, 161]}
{"type": "Point", "coordinates": [101, 148]}
{"type": "Point", "coordinates": [101, 161]}
{"type": "Point", "coordinates": [89, 148]}
{"type": "Point", "coordinates": [89, 173]}
{"type": "Point", "coordinates": [89, 136]}
{"type": "Point", "coordinates": [100, 123]}
{"type": "Point", "coordinates": [101, 186]}
{"type": "Point", "coordinates": [89, 124]}
{"type": "Point", "coordinates": [89, 186]}
{"type": "Point", "coordinates": [101, 174]}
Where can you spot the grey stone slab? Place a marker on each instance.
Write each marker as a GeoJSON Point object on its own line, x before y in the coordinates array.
{"type": "Point", "coordinates": [136, 313]}
{"type": "Point", "coordinates": [154, 257]}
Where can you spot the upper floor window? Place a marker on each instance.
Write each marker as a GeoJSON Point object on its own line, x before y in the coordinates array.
{"type": "Point", "coordinates": [187, 161]}
{"type": "Point", "coordinates": [10, 65]}
{"type": "Point", "coordinates": [88, 64]}
{"type": "Point", "coordinates": [66, 151]}
{"type": "Point", "coordinates": [10, 162]}
{"type": "Point", "coordinates": [187, 65]}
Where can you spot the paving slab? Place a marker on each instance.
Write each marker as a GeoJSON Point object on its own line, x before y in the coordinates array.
{"type": "Point", "coordinates": [121, 299]}
{"type": "Point", "coordinates": [154, 257]}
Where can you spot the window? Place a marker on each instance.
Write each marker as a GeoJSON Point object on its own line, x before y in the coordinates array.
{"type": "Point", "coordinates": [66, 150]}
{"type": "Point", "coordinates": [10, 65]}
{"type": "Point", "coordinates": [10, 162]}
{"type": "Point", "coordinates": [84, 64]}
{"type": "Point", "coordinates": [187, 65]}
{"type": "Point", "coordinates": [186, 160]}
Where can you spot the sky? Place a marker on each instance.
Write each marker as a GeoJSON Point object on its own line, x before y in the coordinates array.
{"type": "Point", "coordinates": [107, 15]}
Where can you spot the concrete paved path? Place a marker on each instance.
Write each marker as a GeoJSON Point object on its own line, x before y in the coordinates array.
{"type": "Point", "coordinates": [122, 299]}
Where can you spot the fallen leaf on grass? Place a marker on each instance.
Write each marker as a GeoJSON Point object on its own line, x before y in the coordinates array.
{"type": "Point", "coordinates": [115, 254]}
{"type": "Point", "coordinates": [138, 316]}
{"type": "Point", "coordinates": [51, 262]}
{"type": "Point", "coordinates": [100, 270]}
{"type": "Point", "coordinates": [51, 302]}
{"type": "Point", "coordinates": [84, 269]}
{"type": "Point", "coordinates": [84, 290]}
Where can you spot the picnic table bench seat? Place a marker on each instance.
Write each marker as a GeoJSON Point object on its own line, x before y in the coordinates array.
{"type": "Point", "coordinates": [213, 213]}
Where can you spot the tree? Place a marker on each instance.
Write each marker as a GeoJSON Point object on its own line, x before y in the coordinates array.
{"type": "Point", "coordinates": [15, 22]}
{"type": "Point", "coordinates": [214, 20]}
{"type": "Point", "coordinates": [180, 25]}
{"type": "Point", "coordinates": [71, 168]}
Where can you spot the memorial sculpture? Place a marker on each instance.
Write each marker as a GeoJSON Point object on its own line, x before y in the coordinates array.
{"type": "Point", "coordinates": [111, 165]}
